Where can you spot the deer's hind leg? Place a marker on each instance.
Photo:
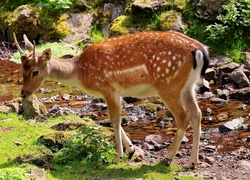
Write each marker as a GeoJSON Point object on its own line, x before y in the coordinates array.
{"type": "Point", "coordinates": [195, 114]}
{"type": "Point", "coordinates": [182, 119]}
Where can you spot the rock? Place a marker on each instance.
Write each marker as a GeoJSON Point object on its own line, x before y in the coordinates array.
{"type": "Point", "coordinates": [41, 162]}
{"type": "Point", "coordinates": [24, 19]}
{"type": "Point", "coordinates": [243, 164]}
{"type": "Point", "coordinates": [171, 20]}
{"type": "Point", "coordinates": [210, 149]}
{"type": "Point", "coordinates": [114, 11]}
{"type": "Point", "coordinates": [68, 125]}
{"type": "Point", "coordinates": [209, 160]}
{"type": "Point", "coordinates": [146, 7]}
{"type": "Point", "coordinates": [222, 117]}
{"type": "Point", "coordinates": [247, 59]}
{"type": "Point", "coordinates": [210, 74]}
{"type": "Point", "coordinates": [5, 109]}
{"type": "Point", "coordinates": [38, 174]}
{"type": "Point", "coordinates": [223, 94]}
{"type": "Point", "coordinates": [185, 140]}
{"type": "Point", "coordinates": [229, 67]}
{"type": "Point", "coordinates": [241, 94]}
{"type": "Point", "coordinates": [79, 24]}
{"type": "Point", "coordinates": [154, 138]}
{"type": "Point", "coordinates": [209, 10]}
{"type": "Point", "coordinates": [231, 125]}
{"type": "Point", "coordinates": [219, 61]}
{"type": "Point", "coordinates": [33, 107]}
{"type": "Point", "coordinates": [239, 78]}
{"type": "Point", "coordinates": [218, 101]}
{"type": "Point", "coordinates": [54, 140]}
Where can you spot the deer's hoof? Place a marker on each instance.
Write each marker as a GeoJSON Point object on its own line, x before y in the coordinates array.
{"type": "Point", "coordinates": [130, 155]}
{"type": "Point", "coordinates": [166, 161]}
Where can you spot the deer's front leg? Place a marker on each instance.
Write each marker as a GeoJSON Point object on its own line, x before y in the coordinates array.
{"type": "Point", "coordinates": [114, 111]}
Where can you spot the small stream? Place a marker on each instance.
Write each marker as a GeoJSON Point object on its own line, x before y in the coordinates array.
{"type": "Point", "coordinates": [142, 124]}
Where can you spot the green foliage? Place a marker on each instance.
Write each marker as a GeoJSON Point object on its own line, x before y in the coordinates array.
{"type": "Point", "coordinates": [90, 144]}
{"type": "Point", "coordinates": [57, 6]}
{"type": "Point", "coordinates": [58, 50]}
{"type": "Point", "coordinates": [231, 34]}
{"type": "Point", "coordinates": [12, 174]}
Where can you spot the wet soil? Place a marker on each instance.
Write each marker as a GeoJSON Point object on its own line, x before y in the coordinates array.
{"type": "Point", "coordinates": [231, 147]}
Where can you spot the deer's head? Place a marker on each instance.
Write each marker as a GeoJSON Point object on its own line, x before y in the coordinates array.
{"type": "Point", "coordinates": [34, 66]}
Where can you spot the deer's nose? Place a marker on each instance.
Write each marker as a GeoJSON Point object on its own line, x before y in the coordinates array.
{"type": "Point", "coordinates": [24, 93]}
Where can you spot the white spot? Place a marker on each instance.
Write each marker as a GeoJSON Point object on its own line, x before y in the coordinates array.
{"type": "Point", "coordinates": [173, 58]}
{"type": "Point", "coordinates": [175, 74]}
{"type": "Point", "coordinates": [164, 61]}
{"type": "Point", "coordinates": [153, 56]}
{"type": "Point", "coordinates": [134, 69]}
{"type": "Point", "coordinates": [158, 58]}
{"type": "Point", "coordinates": [169, 53]}
{"type": "Point", "coordinates": [154, 64]}
{"type": "Point", "coordinates": [173, 68]}
{"type": "Point", "coordinates": [158, 69]}
{"type": "Point", "coordinates": [169, 64]}
{"type": "Point", "coordinates": [179, 63]}
{"type": "Point", "coordinates": [163, 75]}
{"type": "Point", "coordinates": [167, 70]}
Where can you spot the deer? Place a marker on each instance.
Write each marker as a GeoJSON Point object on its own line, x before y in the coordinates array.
{"type": "Point", "coordinates": [151, 63]}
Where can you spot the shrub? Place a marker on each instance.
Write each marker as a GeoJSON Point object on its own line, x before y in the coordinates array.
{"type": "Point", "coordinates": [90, 144]}
{"type": "Point", "coordinates": [231, 34]}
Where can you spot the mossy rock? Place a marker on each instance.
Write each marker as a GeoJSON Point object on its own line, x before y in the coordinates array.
{"type": "Point", "coordinates": [24, 20]}
{"type": "Point", "coordinates": [55, 140]}
{"type": "Point", "coordinates": [171, 20]}
{"type": "Point", "coordinates": [120, 26]}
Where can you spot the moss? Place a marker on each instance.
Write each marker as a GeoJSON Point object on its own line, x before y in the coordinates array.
{"type": "Point", "coordinates": [59, 28]}
{"type": "Point", "coordinates": [22, 23]}
{"type": "Point", "coordinates": [167, 19]}
{"type": "Point", "coordinates": [181, 4]}
{"type": "Point", "coordinates": [120, 26]}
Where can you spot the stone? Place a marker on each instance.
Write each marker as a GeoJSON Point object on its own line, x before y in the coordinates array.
{"type": "Point", "coordinates": [5, 109]}
{"type": "Point", "coordinates": [229, 67]}
{"type": "Point", "coordinates": [216, 100]}
{"type": "Point", "coordinates": [241, 94]}
{"type": "Point", "coordinates": [79, 24]}
{"type": "Point", "coordinates": [231, 125]}
{"type": "Point", "coordinates": [209, 160]}
{"type": "Point", "coordinates": [54, 140]}
{"type": "Point", "coordinates": [38, 174]}
{"type": "Point", "coordinates": [113, 11]}
{"type": "Point", "coordinates": [33, 107]}
{"type": "Point", "coordinates": [222, 117]}
{"type": "Point", "coordinates": [247, 59]}
{"type": "Point", "coordinates": [155, 138]}
{"type": "Point", "coordinates": [210, 74]}
{"type": "Point", "coordinates": [239, 78]}
{"type": "Point", "coordinates": [209, 10]}
{"type": "Point", "coordinates": [223, 94]}
{"type": "Point", "coordinates": [243, 164]}
{"type": "Point", "coordinates": [219, 61]}
{"type": "Point", "coordinates": [68, 125]}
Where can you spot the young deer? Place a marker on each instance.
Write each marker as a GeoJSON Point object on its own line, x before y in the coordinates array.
{"type": "Point", "coordinates": [166, 64]}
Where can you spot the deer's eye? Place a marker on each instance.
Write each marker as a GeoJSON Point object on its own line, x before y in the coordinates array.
{"type": "Point", "coordinates": [34, 73]}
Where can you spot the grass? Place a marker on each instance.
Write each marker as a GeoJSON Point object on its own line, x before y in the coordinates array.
{"type": "Point", "coordinates": [58, 49]}
{"type": "Point", "coordinates": [15, 128]}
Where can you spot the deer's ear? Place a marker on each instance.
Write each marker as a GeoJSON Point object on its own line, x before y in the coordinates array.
{"type": "Point", "coordinates": [47, 53]}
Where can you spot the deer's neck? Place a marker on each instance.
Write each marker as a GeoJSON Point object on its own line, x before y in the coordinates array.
{"type": "Point", "coordinates": [64, 70]}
